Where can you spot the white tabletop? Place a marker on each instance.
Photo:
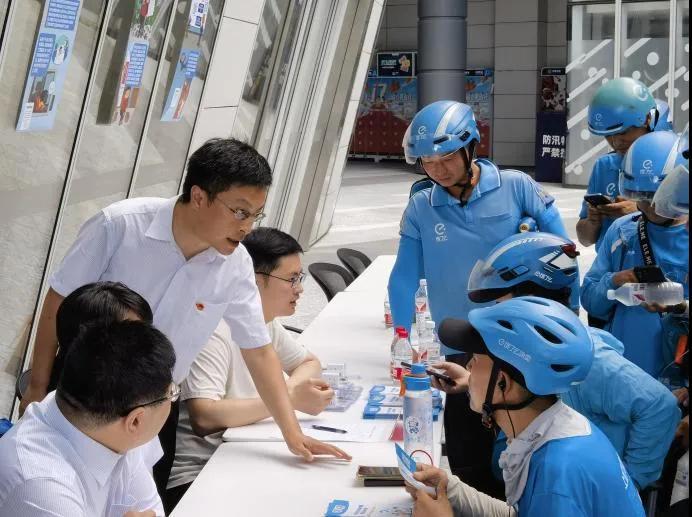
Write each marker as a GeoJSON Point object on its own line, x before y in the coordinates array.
{"type": "Point", "coordinates": [375, 277]}
{"type": "Point", "coordinates": [263, 478]}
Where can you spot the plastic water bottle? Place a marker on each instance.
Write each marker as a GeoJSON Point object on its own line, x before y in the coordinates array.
{"type": "Point", "coordinates": [422, 310]}
{"type": "Point", "coordinates": [664, 293]}
{"type": "Point", "coordinates": [388, 322]}
{"type": "Point", "coordinates": [681, 487]}
{"type": "Point", "coordinates": [433, 345]}
{"type": "Point", "coordinates": [401, 352]}
{"type": "Point", "coordinates": [527, 224]}
{"type": "Point", "coordinates": [418, 415]}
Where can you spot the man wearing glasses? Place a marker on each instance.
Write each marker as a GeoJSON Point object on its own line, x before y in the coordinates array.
{"type": "Point", "coordinates": [445, 230]}
{"type": "Point", "coordinates": [184, 256]}
{"type": "Point", "coordinates": [219, 391]}
{"type": "Point", "coordinates": [85, 449]}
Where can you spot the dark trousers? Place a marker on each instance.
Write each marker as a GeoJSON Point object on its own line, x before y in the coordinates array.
{"type": "Point", "coordinates": [470, 444]}
{"type": "Point", "coordinates": [162, 470]}
{"type": "Point", "coordinates": [173, 497]}
{"type": "Point", "coordinates": [596, 323]}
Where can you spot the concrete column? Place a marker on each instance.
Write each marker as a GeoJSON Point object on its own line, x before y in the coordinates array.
{"type": "Point", "coordinates": [441, 50]}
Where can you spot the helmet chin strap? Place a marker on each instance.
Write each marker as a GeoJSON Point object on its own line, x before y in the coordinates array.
{"type": "Point", "coordinates": [489, 408]}
{"type": "Point", "coordinates": [468, 157]}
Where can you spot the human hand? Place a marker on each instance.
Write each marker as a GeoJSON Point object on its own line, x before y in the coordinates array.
{"type": "Point", "coordinates": [593, 215]}
{"type": "Point", "coordinates": [310, 396]}
{"type": "Point", "coordinates": [620, 207]}
{"type": "Point", "coordinates": [683, 432]}
{"type": "Point", "coordinates": [308, 448]}
{"type": "Point", "coordinates": [657, 308]}
{"type": "Point", "coordinates": [683, 396]}
{"type": "Point", "coordinates": [146, 513]}
{"type": "Point", "coordinates": [433, 475]}
{"type": "Point", "coordinates": [427, 506]}
{"type": "Point", "coordinates": [625, 277]}
{"type": "Point", "coordinates": [456, 372]}
{"type": "Point", "coordinates": [33, 394]}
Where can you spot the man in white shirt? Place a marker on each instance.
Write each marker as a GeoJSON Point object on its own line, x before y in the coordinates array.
{"type": "Point", "coordinates": [84, 450]}
{"type": "Point", "coordinates": [184, 256]}
{"type": "Point", "coordinates": [219, 392]}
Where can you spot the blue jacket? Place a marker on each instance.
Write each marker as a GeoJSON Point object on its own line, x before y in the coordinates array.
{"type": "Point", "coordinates": [639, 330]}
{"type": "Point", "coordinates": [637, 413]}
{"type": "Point", "coordinates": [580, 476]}
{"type": "Point", "coordinates": [604, 179]}
{"type": "Point", "coordinates": [442, 241]}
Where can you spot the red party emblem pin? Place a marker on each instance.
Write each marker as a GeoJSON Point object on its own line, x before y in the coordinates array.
{"type": "Point", "coordinates": [199, 306]}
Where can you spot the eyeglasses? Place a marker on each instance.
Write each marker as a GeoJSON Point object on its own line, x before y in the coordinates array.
{"type": "Point", "coordinates": [295, 281]}
{"type": "Point", "coordinates": [242, 215]}
{"type": "Point", "coordinates": [172, 396]}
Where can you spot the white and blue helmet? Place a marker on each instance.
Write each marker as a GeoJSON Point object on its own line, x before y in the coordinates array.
{"type": "Point", "coordinates": [672, 199]}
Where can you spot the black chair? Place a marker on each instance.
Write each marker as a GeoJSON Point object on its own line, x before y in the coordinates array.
{"type": "Point", "coordinates": [330, 277]}
{"type": "Point", "coordinates": [354, 260]}
{"type": "Point", "coordinates": [22, 384]}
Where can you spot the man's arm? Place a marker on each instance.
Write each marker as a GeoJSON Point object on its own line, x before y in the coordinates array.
{"type": "Point", "coordinates": [42, 497]}
{"type": "Point", "coordinates": [589, 228]}
{"type": "Point", "coordinates": [45, 347]}
{"type": "Point", "coordinates": [403, 281]}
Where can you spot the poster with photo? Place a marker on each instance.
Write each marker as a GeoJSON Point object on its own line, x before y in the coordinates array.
{"type": "Point", "coordinates": [197, 18]}
{"type": "Point", "coordinates": [185, 71]}
{"type": "Point", "coordinates": [479, 95]}
{"type": "Point", "coordinates": [553, 89]}
{"type": "Point", "coordinates": [49, 63]}
{"type": "Point", "coordinates": [396, 64]}
{"type": "Point", "coordinates": [134, 61]}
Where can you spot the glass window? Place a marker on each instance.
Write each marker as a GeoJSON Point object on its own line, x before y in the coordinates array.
{"type": "Point", "coordinates": [178, 94]}
{"type": "Point", "coordinates": [591, 50]}
{"type": "Point", "coordinates": [681, 90]}
{"type": "Point", "coordinates": [115, 116]}
{"type": "Point", "coordinates": [645, 40]}
{"type": "Point", "coordinates": [33, 166]}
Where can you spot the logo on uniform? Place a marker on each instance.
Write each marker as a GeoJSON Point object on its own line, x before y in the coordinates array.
{"type": "Point", "coordinates": [440, 232]}
{"type": "Point", "coordinates": [599, 118]}
{"type": "Point", "coordinates": [514, 350]}
{"type": "Point", "coordinates": [422, 130]}
{"type": "Point", "coordinates": [647, 168]}
{"type": "Point", "coordinates": [610, 189]}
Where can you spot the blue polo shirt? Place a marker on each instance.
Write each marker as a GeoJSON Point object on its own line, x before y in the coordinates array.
{"type": "Point", "coordinates": [604, 180]}
{"type": "Point", "coordinates": [442, 240]}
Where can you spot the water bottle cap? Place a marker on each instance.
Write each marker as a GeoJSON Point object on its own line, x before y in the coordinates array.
{"type": "Point", "coordinates": [403, 333]}
{"type": "Point", "coordinates": [423, 281]}
{"type": "Point", "coordinates": [418, 369]}
{"type": "Point", "coordinates": [399, 330]}
{"type": "Point", "coordinates": [417, 383]}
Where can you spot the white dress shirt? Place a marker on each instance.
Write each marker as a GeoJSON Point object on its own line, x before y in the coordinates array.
{"type": "Point", "coordinates": [132, 242]}
{"type": "Point", "coordinates": [48, 467]}
{"type": "Point", "coordinates": [219, 372]}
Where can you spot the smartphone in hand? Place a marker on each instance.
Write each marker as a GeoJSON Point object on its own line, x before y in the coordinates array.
{"type": "Point", "coordinates": [596, 200]}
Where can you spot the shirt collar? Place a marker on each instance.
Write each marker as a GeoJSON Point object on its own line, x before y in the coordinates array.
{"type": "Point", "coordinates": [99, 460]}
{"type": "Point", "coordinates": [489, 180]}
{"type": "Point", "coordinates": [161, 228]}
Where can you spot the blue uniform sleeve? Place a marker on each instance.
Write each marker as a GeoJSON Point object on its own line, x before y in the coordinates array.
{"type": "Point", "coordinates": [636, 399]}
{"type": "Point", "coordinates": [553, 504]}
{"type": "Point", "coordinates": [408, 269]}
{"type": "Point", "coordinates": [599, 279]}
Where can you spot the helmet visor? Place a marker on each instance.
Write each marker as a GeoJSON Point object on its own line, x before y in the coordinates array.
{"type": "Point", "coordinates": [672, 199]}
{"type": "Point", "coordinates": [407, 144]}
{"type": "Point", "coordinates": [635, 192]}
{"type": "Point", "coordinates": [480, 284]}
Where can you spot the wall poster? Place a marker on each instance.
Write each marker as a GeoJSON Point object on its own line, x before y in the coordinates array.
{"type": "Point", "coordinates": [479, 95]}
{"type": "Point", "coordinates": [49, 63]}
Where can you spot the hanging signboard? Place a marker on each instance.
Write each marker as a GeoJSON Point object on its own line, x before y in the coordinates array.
{"type": "Point", "coordinates": [197, 18]}
{"type": "Point", "coordinates": [551, 126]}
{"type": "Point", "coordinates": [396, 64]}
{"type": "Point", "coordinates": [553, 89]}
{"type": "Point", "coordinates": [479, 95]}
{"type": "Point", "coordinates": [50, 59]}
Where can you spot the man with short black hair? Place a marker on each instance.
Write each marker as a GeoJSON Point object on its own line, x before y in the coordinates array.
{"type": "Point", "coordinates": [79, 451]}
{"type": "Point", "coordinates": [184, 256]}
{"type": "Point", "coordinates": [219, 392]}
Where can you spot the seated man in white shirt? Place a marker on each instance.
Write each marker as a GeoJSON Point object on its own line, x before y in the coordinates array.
{"type": "Point", "coordinates": [219, 392]}
{"type": "Point", "coordinates": [82, 451]}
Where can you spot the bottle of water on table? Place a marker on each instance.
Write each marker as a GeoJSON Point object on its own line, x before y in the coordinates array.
{"type": "Point", "coordinates": [401, 352]}
{"type": "Point", "coordinates": [422, 308]}
{"type": "Point", "coordinates": [664, 293]}
{"type": "Point", "coordinates": [418, 415]}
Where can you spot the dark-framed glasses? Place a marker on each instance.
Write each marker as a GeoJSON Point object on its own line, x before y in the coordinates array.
{"type": "Point", "coordinates": [172, 396]}
{"type": "Point", "coordinates": [294, 281]}
{"type": "Point", "coordinates": [242, 215]}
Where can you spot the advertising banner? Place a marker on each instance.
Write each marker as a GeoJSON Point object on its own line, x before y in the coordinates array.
{"type": "Point", "coordinates": [396, 64]}
{"type": "Point", "coordinates": [50, 59]}
{"type": "Point", "coordinates": [551, 126]}
{"type": "Point", "coordinates": [197, 18]}
{"type": "Point", "coordinates": [479, 95]}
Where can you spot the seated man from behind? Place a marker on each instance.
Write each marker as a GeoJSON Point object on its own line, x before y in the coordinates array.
{"type": "Point", "coordinates": [219, 392]}
{"type": "Point", "coordinates": [78, 452]}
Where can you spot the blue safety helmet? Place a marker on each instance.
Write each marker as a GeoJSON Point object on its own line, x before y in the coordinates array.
{"type": "Point", "coordinates": [672, 199]}
{"type": "Point", "coordinates": [642, 169]}
{"type": "Point", "coordinates": [663, 121]}
{"type": "Point", "coordinates": [544, 259]}
{"type": "Point", "coordinates": [619, 105]}
{"type": "Point", "coordinates": [440, 128]}
{"type": "Point", "coordinates": [541, 339]}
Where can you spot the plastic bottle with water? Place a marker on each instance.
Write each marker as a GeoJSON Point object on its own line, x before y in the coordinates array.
{"type": "Point", "coordinates": [664, 293]}
{"type": "Point", "coordinates": [422, 310]}
{"type": "Point", "coordinates": [434, 344]}
{"type": "Point", "coordinates": [401, 352]}
{"type": "Point", "coordinates": [418, 415]}
{"type": "Point", "coordinates": [428, 345]}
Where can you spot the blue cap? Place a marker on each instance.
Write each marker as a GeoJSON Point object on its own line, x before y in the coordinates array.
{"type": "Point", "coordinates": [418, 369]}
{"type": "Point", "coordinates": [414, 383]}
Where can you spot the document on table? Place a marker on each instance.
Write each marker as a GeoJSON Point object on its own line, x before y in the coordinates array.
{"type": "Point", "coordinates": [359, 431]}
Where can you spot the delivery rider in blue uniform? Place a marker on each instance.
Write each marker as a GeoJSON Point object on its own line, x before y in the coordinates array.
{"type": "Point", "coordinates": [623, 249]}
{"type": "Point", "coordinates": [526, 351]}
{"type": "Point", "coordinates": [445, 229]}
{"type": "Point", "coordinates": [622, 110]}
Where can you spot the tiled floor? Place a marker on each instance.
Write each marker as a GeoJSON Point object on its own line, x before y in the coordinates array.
{"type": "Point", "coordinates": [371, 202]}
